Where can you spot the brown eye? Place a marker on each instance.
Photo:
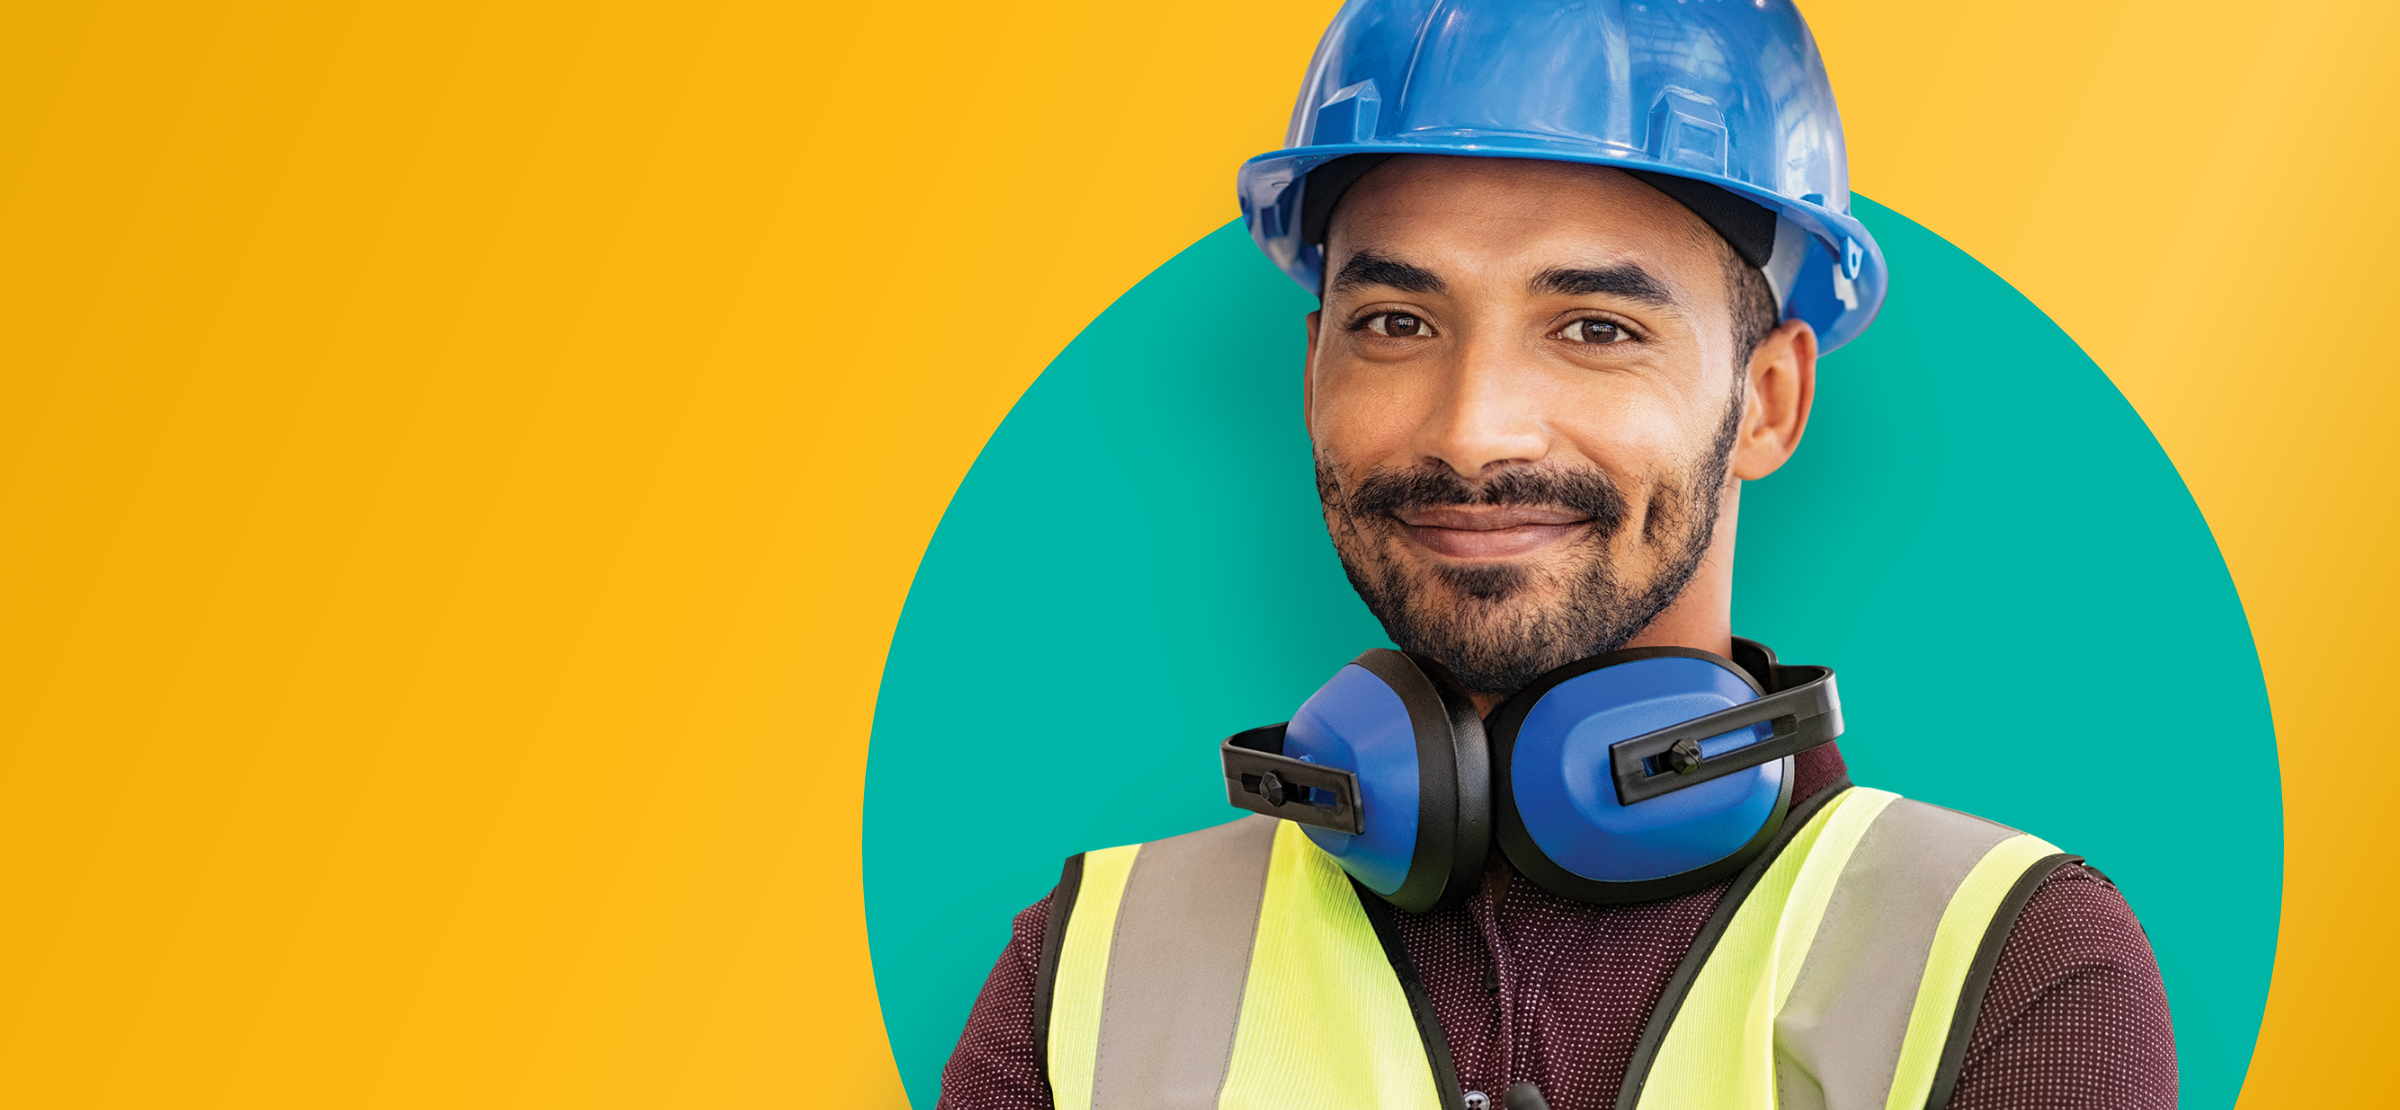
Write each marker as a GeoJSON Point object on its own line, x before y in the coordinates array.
{"type": "Point", "coordinates": [1597, 332]}
{"type": "Point", "coordinates": [1398, 325]}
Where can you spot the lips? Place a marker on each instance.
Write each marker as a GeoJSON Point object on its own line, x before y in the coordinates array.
{"type": "Point", "coordinates": [1488, 531]}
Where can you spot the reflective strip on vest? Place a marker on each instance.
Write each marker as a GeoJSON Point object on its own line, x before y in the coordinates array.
{"type": "Point", "coordinates": [1837, 982]}
{"type": "Point", "coordinates": [1235, 968]}
{"type": "Point", "coordinates": [1230, 968]}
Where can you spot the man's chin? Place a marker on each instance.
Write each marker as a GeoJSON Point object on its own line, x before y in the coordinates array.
{"type": "Point", "coordinates": [1495, 652]}
{"type": "Point", "coordinates": [1498, 615]}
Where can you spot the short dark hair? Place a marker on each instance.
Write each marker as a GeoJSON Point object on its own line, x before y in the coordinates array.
{"type": "Point", "coordinates": [1751, 303]}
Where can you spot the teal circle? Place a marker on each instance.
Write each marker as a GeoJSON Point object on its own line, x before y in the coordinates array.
{"type": "Point", "coordinates": [2031, 621]}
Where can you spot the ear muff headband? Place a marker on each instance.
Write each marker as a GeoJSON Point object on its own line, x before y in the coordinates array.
{"type": "Point", "coordinates": [1454, 822]}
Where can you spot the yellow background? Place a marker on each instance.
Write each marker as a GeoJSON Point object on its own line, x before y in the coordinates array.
{"type": "Point", "coordinates": [462, 465]}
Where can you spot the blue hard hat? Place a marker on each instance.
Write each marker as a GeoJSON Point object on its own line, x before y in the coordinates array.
{"type": "Point", "coordinates": [1728, 93]}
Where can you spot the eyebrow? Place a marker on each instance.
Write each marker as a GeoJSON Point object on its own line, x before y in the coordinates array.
{"type": "Point", "coordinates": [1627, 281]}
{"type": "Point", "coordinates": [1369, 268]}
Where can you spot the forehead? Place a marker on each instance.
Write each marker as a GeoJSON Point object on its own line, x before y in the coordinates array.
{"type": "Point", "coordinates": [1502, 215]}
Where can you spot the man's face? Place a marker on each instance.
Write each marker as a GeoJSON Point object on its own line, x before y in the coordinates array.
{"type": "Point", "coordinates": [1523, 393]}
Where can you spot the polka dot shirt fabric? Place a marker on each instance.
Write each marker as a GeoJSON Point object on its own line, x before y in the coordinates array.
{"type": "Point", "coordinates": [996, 1065]}
{"type": "Point", "coordinates": [2075, 1015]}
{"type": "Point", "coordinates": [1531, 987]}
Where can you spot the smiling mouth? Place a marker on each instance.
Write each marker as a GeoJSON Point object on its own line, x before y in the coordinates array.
{"type": "Point", "coordinates": [1484, 532]}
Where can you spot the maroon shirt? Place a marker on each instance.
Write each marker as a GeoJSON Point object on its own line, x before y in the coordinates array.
{"type": "Point", "coordinates": [1531, 987]}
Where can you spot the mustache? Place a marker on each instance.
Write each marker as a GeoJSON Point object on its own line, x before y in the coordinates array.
{"type": "Point", "coordinates": [1587, 493]}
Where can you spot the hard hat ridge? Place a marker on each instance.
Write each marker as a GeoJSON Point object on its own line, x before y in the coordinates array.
{"type": "Point", "coordinates": [1724, 106]}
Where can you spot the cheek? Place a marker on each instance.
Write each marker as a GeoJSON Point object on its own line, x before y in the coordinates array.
{"type": "Point", "coordinates": [1634, 437]}
{"type": "Point", "coordinates": [1366, 415]}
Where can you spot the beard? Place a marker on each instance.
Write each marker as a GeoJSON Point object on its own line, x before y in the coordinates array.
{"type": "Point", "coordinates": [1499, 626]}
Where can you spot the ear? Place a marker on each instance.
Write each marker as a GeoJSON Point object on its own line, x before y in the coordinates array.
{"type": "Point", "coordinates": [1783, 384]}
{"type": "Point", "coordinates": [1308, 378]}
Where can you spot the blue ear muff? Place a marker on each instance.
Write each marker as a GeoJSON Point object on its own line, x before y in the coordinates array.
{"type": "Point", "coordinates": [1561, 773]}
{"type": "Point", "coordinates": [1625, 777]}
{"type": "Point", "coordinates": [1386, 769]}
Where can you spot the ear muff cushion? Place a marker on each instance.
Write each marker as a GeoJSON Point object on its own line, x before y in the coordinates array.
{"type": "Point", "coordinates": [1413, 738]}
{"type": "Point", "coordinates": [1556, 811]}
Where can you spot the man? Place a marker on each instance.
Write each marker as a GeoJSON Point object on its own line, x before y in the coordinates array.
{"type": "Point", "coordinates": [1576, 263]}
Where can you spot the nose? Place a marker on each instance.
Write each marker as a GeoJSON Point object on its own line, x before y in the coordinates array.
{"type": "Point", "coordinates": [1488, 412]}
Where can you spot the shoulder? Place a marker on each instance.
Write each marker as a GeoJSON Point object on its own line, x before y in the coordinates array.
{"type": "Point", "coordinates": [998, 1060]}
{"type": "Point", "coordinates": [1170, 858]}
{"type": "Point", "coordinates": [2061, 999]}
{"type": "Point", "coordinates": [2075, 980]}
{"type": "Point", "coordinates": [1200, 856]}
{"type": "Point", "coordinates": [2076, 926]}
{"type": "Point", "coordinates": [2035, 902]}
{"type": "Point", "coordinates": [2059, 903]}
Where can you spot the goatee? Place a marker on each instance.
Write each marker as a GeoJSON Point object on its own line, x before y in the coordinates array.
{"type": "Point", "coordinates": [1499, 626]}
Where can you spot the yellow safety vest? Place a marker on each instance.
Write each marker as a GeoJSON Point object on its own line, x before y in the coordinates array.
{"type": "Point", "coordinates": [1238, 968]}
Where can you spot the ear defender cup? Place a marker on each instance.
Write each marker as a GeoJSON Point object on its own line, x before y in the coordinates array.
{"type": "Point", "coordinates": [1557, 815]}
{"type": "Point", "coordinates": [1410, 733]}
